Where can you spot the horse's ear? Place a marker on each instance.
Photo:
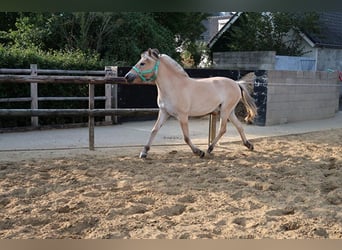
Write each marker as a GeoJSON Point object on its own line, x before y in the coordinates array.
{"type": "Point", "coordinates": [155, 52]}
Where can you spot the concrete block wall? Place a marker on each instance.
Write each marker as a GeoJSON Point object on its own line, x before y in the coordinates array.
{"type": "Point", "coordinates": [244, 60]}
{"type": "Point", "coordinates": [300, 95]}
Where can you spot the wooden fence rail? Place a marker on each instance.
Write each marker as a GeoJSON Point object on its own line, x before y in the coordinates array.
{"type": "Point", "coordinates": [109, 74]}
{"type": "Point", "coordinates": [80, 112]}
{"type": "Point", "coordinates": [53, 71]}
{"type": "Point", "coordinates": [107, 77]}
{"type": "Point", "coordinates": [62, 79]}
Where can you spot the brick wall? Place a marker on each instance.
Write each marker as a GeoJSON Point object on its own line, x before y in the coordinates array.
{"type": "Point", "coordinates": [300, 95]}
{"type": "Point", "coordinates": [244, 60]}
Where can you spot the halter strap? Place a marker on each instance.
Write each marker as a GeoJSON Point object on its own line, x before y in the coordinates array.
{"type": "Point", "coordinates": [154, 70]}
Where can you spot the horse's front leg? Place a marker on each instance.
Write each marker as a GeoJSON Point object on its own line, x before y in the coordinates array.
{"type": "Point", "coordinates": [162, 117]}
{"type": "Point", "coordinates": [183, 120]}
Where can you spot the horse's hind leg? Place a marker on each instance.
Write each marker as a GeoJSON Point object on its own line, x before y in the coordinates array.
{"type": "Point", "coordinates": [183, 120]}
{"type": "Point", "coordinates": [162, 117]}
{"type": "Point", "coordinates": [240, 129]}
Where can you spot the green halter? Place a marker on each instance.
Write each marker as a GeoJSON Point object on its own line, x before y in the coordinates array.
{"type": "Point", "coordinates": [154, 70]}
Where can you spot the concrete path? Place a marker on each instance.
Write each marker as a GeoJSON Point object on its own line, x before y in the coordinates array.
{"type": "Point", "coordinates": [137, 133]}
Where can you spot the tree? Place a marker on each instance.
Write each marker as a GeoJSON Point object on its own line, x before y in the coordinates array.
{"type": "Point", "coordinates": [133, 33]}
{"type": "Point", "coordinates": [269, 31]}
{"type": "Point", "coordinates": [126, 34]}
{"type": "Point", "coordinates": [7, 20]}
{"type": "Point", "coordinates": [115, 36]}
{"type": "Point", "coordinates": [24, 34]}
{"type": "Point", "coordinates": [187, 28]}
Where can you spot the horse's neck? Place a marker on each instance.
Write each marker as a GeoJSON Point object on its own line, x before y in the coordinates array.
{"type": "Point", "coordinates": [170, 84]}
{"type": "Point", "coordinates": [170, 77]}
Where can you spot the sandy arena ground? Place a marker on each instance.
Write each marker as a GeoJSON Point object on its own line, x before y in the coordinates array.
{"type": "Point", "coordinates": [289, 187]}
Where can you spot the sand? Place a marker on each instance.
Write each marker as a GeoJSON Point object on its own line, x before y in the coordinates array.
{"type": "Point", "coordinates": [289, 187]}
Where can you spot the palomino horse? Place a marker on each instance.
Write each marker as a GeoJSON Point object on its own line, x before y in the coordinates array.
{"type": "Point", "coordinates": [181, 96]}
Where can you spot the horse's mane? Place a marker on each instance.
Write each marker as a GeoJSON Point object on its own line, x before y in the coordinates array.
{"type": "Point", "coordinates": [178, 68]}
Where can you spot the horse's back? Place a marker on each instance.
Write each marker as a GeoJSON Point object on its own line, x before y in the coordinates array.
{"type": "Point", "coordinates": [209, 93]}
{"type": "Point", "coordinates": [220, 85]}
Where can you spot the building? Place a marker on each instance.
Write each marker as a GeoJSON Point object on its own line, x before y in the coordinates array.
{"type": "Point", "coordinates": [289, 88]}
{"type": "Point", "coordinates": [323, 51]}
{"type": "Point", "coordinates": [214, 24]}
{"type": "Point", "coordinates": [326, 47]}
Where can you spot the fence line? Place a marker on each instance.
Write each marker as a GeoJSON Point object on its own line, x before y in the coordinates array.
{"type": "Point", "coordinates": [107, 77]}
{"type": "Point", "coordinates": [62, 79]}
{"type": "Point", "coordinates": [80, 112]}
{"type": "Point", "coordinates": [28, 99]}
{"type": "Point", "coordinates": [32, 77]}
{"type": "Point", "coordinates": [53, 71]}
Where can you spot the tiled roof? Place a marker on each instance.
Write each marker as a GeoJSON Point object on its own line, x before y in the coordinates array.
{"type": "Point", "coordinates": [330, 30]}
{"type": "Point", "coordinates": [330, 35]}
{"type": "Point", "coordinates": [224, 29]}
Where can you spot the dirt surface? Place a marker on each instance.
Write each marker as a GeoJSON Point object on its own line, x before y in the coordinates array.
{"type": "Point", "coordinates": [289, 187]}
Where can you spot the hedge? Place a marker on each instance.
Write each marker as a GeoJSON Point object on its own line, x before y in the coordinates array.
{"type": "Point", "coordinates": [14, 57]}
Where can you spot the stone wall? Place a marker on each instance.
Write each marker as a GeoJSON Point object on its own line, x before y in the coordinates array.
{"type": "Point", "coordinates": [244, 60]}
{"type": "Point", "coordinates": [284, 96]}
{"type": "Point", "coordinates": [329, 59]}
{"type": "Point", "coordinates": [300, 95]}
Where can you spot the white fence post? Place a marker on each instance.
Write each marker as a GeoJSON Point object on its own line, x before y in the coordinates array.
{"type": "Point", "coordinates": [109, 71]}
{"type": "Point", "coordinates": [112, 94]}
{"type": "Point", "coordinates": [212, 127]}
{"type": "Point", "coordinates": [91, 118]}
{"type": "Point", "coordinates": [34, 95]}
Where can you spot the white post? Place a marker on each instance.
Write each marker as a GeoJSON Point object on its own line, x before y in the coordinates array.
{"type": "Point", "coordinates": [34, 95]}
{"type": "Point", "coordinates": [109, 71]}
{"type": "Point", "coordinates": [212, 127]}
{"type": "Point", "coordinates": [113, 102]}
{"type": "Point", "coordinates": [91, 119]}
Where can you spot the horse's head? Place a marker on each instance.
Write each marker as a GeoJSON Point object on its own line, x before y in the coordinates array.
{"type": "Point", "coordinates": [146, 68]}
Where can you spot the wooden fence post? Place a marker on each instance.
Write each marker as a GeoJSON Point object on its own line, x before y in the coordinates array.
{"type": "Point", "coordinates": [112, 71]}
{"type": "Point", "coordinates": [109, 71]}
{"type": "Point", "coordinates": [91, 119]}
{"type": "Point", "coordinates": [212, 127]}
{"type": "Point", "coordinates": [34, 95]}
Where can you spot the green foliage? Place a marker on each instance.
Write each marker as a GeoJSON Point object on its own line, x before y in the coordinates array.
{"type": "Point", "coordinates": [278, 31]}
{"type": "Point", "coordinates": [26, 34]}
{"type": "Point", "coordinates": [136, 32]}
{"type": "Point", "coordinates": [186, 26]}
{"type": "Point", "coordinates": [7, 20]}
{"type": "Point", "coordinates": [15, 57]}
{"type": "Point", "coordinates": [84, 41]}
{"type": "Point", "coordinates": [115, 36]}
{"type": "Point", "coordinates": [18, 57]}
{"type": "Point", "coordinates": [194, 53]}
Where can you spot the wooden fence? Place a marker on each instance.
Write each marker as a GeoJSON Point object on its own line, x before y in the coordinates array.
{"type": "Point", "coordinates": [108, 77]}
{"type": "Point", "coordinates": [35, 76]}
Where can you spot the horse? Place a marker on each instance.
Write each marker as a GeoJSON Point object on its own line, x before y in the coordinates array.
{"type": "Point", "coordinates": [182, 97]}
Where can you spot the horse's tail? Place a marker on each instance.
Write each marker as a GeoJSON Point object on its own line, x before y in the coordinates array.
{"type": "Point", "coordinates": [249, 102]}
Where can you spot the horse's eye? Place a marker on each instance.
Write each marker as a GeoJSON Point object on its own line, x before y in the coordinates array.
{"type": "Point", "coordinates": [142, 64]}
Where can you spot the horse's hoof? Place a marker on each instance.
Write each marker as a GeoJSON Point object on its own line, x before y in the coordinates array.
{"type": "Point", "coordinates": [201, 154]}
{"type": "Point", "coordinates": [210, 149]}
{"type": "Point", "coordinates": [249, 145]}
{"type": "Point", "coordinates": [143, 155]}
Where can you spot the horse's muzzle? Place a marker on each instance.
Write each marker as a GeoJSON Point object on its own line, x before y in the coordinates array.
{"type": "Point", "coordinates": [130, 77]}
